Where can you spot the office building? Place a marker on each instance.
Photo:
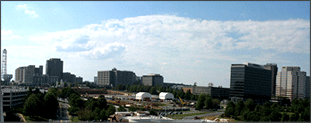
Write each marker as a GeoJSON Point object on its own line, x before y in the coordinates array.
{"type": "Point", "coordinates": [308, 82]}
{"type": "Point", "coordinates": [115, 77]}
{"type": "Point", "coordinates": [26, 74]}
{"type": "Point", "coordinates": [79, 80]}
{"type": "Point", "coordinates": [274, 70]}
{"type": "Point", "coordinates": [54, 67]}
{"type": "Point", "coordinates": [95, 80]}
{"type": "Point", "coordinates": [152, 79]}
{"type": "Point", "coordinates": [292, 83]}
{"type": "Point", "coordinates": [250, 81]}
{"type": "Point", "coordinates": [215, 92]}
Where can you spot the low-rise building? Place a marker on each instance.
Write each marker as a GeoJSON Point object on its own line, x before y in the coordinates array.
{"type": "Point", "coordinates": [215, 92]}
{"type": "Point", "coordinates": [166, 96]}
{"type": "Point", "coordinates": [13, 97]}
{"type": "Point", "coordinates": [143, 96]}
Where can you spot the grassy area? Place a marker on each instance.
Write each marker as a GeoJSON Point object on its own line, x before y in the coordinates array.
{"type": "Point", "coordinates": [34, 118]}
{"type": "Point", "coordinates": [75, 119]}
{"type": "Point", "coordinates": [181, 116]}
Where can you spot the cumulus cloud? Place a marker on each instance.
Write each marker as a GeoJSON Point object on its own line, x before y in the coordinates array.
{"type": "Point", "coordinates": [27, 11]}
{"type": "Point", "coordinates": [159, 38]}
{"type": "Point", "coordinates": [110, 50]}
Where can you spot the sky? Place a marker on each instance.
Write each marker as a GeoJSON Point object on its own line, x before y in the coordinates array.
{"type": "Point", "coordinates": [184, 41]}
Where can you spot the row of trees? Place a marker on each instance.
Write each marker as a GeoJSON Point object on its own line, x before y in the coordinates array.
{"type": "Point", "coordinates": [248, 111]}
{"type": "Point", "coordinates": [38, 104]}
{"type": "Point", "coordinates": [158, 89]}
{"type": "Point", "coordinates": [91, 109]}
{"type": "Point", "coordinates": [205, 100]}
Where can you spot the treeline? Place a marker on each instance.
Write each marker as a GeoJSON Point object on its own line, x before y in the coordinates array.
{"type": "Point", "coordinates": [39, 106]}
{"type": "Point", "coordinates": [156, 90]}
{"type": "Point", "coordinates": [205, 101]}
{"type": "Point", "coordinates": [91, 109]}
{"type": "Point", "coordinates": [247, 111]}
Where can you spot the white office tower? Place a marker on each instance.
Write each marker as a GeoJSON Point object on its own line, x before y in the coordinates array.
{"type": "Point", "coordinates": [292, 83]}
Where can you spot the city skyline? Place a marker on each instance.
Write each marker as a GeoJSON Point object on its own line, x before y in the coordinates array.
{"type": "Point", "coordinates": [185, 42]}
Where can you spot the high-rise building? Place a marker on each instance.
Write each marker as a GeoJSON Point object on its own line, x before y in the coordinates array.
{"type": "Point", "coordinates": [292, 83]}
{"type": "Point", "coordinates": [274, 70]}
{"type": "Point", "coordinates": [95, 80]}
{"type": "Point", "coordinates": [152, 79]}
{"type": "Point", "coordinates": [26, 74]}
{"type": "Point", "coordinates": [54, 67]}
{"type": "Point", "coordinates": [115, 77]}
{"type": "Point", "coordinates": [250, 81]}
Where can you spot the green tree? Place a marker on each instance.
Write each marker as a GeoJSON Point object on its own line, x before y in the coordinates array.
{"type": "Point", "coordinates": [73, 110]}
{"type": "Point", "coordinates": [266, 109]}
{"type": "Point", "coordinates": [102, 102]}
{"type": "Point", "coordinates": [275, 116]}
{"type": "Point", "coordinates": [239, 107]}
{"type": "Point", "coordinates": [188, 95]}
{"type": "Point", "coordinates": [153, 90]}
{"type": "Point", "coordinates": [305, 115]}
{"type": "Point", "coordinates": [86, 115]}
{"type": "Point", "coordinates": [50, 106]}
{"type": "Point", "coordinates": [249, 104]}
{"type": "Point", "coordinates": [111, 110]}
{"type": "Point", "coordinates": [200, 101]}
{"type": "Point", "coordinates": [97, 114]}
{"type": "Point", "coordinates": [102, 115]}
{"type": "Point", "coordinates": [284, 117]}
{"type": "Point", "coordinates": [208, 102]}
{"type": "Point", "coordinates": [132, 108]}
{"type": "Point", "coordinates": [153, 112]}
{"type": "Point", "coordinates": [216, 103]}
{"type": "Point", "coordinates": [229, 111]}
{"type": "Point", "coordinates": [121, 108]}
{"type": "Point", "coordinates": [53, 91]}
{"type": "Point", "coordinates": [294, 117]}
{"type": "Point", "coordinates": [32, 106]}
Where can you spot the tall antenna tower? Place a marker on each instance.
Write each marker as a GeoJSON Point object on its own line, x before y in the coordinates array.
{"type": "Point", "coordinates": [4, 56]}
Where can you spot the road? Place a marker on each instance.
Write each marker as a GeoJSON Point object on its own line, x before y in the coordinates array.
{"type": "Point", "coordinates": [63, 115]}
{"type": "Point", "coordinates": [203, 115]}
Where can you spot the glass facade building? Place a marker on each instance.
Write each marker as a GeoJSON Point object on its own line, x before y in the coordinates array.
{"type": "Point", "coordinates": [250, 81]}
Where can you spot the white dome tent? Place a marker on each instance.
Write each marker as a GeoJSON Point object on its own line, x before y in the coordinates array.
{"type": "Point", "coordinates": [166, 96]}
{"type": "Point", "coordinates": [143, 96]}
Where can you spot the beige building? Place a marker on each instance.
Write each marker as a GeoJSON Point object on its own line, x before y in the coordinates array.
{"type": "Point", "coordinates": [26, 74]}
{"type": "Point", "coordinates": [115, 77]}
{"type": "Point", "coordinates": [152, 79]}
{"type": "Point", "coordinates": [292, 83]}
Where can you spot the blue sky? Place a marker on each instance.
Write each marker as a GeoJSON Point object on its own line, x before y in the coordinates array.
{"type": "Point", "coordinates": [186, 42]}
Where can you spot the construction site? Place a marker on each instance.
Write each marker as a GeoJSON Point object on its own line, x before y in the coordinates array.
{"type": "Point", "coordinates": [144, 100]}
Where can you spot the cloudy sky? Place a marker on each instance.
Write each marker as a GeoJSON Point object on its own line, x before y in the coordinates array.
{"type": "Point", "coordinates": [186, 42]}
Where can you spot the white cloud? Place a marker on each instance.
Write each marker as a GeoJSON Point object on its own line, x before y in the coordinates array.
{"type": "Point", "coordinates": [27, 11]}
{"type": "Point", "coordinates": [169, 36]}
{"type": "Point", "coordinates": [6, 32]}
{"type": "Point", "coordinates": [7, 35]}
{"type": "Point", "coordinates": [173, 43]}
